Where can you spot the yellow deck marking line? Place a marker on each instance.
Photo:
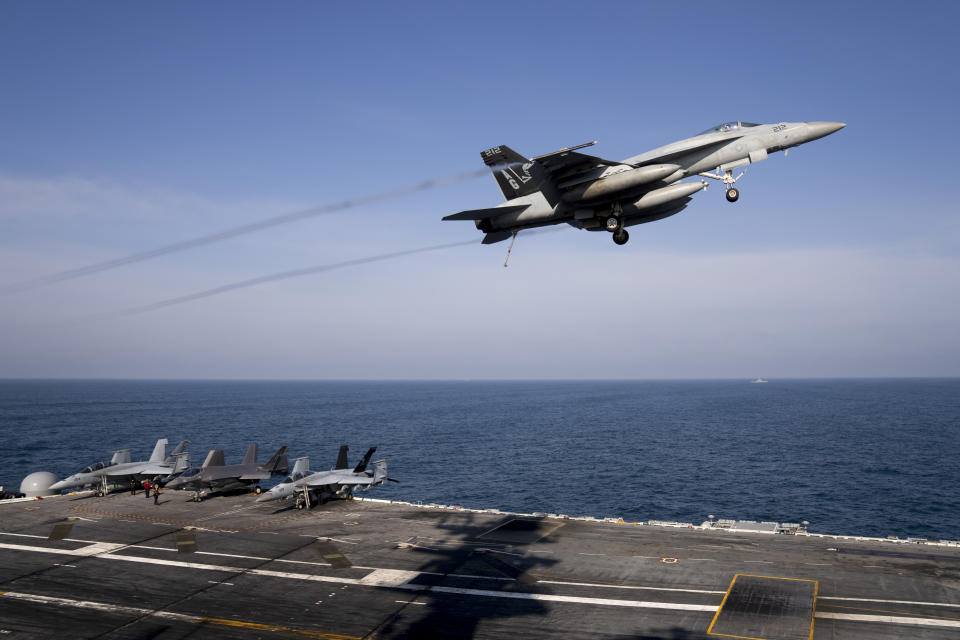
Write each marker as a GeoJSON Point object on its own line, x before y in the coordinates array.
{"type": "Point", "coordinates": [722, 602]}
{"type": "Point", "coordinates": [169, 615]}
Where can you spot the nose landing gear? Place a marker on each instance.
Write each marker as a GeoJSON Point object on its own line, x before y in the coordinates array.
{"type": "Point", "coordinates": [733, 194]}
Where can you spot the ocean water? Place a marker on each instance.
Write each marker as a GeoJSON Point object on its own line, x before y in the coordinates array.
{"type": "Point", "coordinates": [865, 457]}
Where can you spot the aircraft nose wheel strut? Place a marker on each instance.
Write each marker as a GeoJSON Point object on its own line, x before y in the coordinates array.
{"type": "Point", "coordinates": [733, 194]}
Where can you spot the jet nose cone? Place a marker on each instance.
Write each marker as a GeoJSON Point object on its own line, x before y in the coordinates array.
{"type": "Point", "coordinates": [57, 486]}
{"type": "Point", "coordinates": [266, 497]}
{"type": "Point", "coordinates": [821, 129]}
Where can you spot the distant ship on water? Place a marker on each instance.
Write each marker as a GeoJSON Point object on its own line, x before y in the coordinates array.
{"type": "Point", "coordinates": [758, 381]}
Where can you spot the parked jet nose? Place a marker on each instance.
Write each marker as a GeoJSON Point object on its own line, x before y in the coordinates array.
{"type": "Point", "coordinates": [820, 129]}
{"type": "Point", "coordinates": [273, 494]}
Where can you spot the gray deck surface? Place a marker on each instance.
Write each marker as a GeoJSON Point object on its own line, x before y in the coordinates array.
{"type": "Point", "coordinates": [365, 569]}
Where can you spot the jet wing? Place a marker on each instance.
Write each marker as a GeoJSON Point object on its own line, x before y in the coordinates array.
{"type": "Point", "coordinates": [255, 475]}
{"type": "Point", "coordinates": [145, 469]}
{"type": "Point", "coordinates": [322, 478]}
{"type": "Point", "coordinates": [566, 162]}
{"type": "Point", "coordinates": [673, 151]}
{"type": "Point", "coordinates": [325, 478]}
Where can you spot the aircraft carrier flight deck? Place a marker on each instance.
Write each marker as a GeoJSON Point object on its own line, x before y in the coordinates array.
{"type": "Point", "coordinates": [118, 566]}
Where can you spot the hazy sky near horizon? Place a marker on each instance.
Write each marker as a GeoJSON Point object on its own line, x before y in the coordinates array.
{"type": "Point", "coordinates": [127, 127]}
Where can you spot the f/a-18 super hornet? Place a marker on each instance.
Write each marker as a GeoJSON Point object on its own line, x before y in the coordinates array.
{"type": "Point", "coordinates": [309, 486]}
{"type": "Point", "coordinates": [216, 475]}
{"type": "Point", "coordinates": [121, 468]}
{"type": "Point", "coordinates": [595, 194]}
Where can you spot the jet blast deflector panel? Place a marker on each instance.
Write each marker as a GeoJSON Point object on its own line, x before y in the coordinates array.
{"type": "Point", "coordinates": [766, 608]}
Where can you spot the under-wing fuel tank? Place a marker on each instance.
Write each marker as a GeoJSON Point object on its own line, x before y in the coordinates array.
{"type": "Point", "coordinates": [613, 182]}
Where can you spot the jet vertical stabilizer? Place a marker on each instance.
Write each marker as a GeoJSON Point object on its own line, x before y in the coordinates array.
{"type": "Point", "coordinates": [182, 462]}
{"type": "Point", "coordinates": [179, 449]}
{"type": "Point", "coordinates": [214, 459]}
{"type": "Point", "coordinates": [366, 459]}
{"type": "Point", "coordinates": [380, 472]}
{"type": "Point", "coordinates": [251, 457]}
{"type": "Point", "coordinates": [159, 451]}
{"type": "Point", "coordinates": [342, 458]}
{"type": "Point", "coordinates": [301, 467]}
{"type": "Point", "coordinates": [515, 175]}
{"type": "Point", "coordinates": [278, 462]}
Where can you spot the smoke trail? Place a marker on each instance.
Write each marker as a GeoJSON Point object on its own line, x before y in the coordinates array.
{"type": "Point", "coordinates": [236, 231]}
{"type": "Point", "coordinates": [283, 275]}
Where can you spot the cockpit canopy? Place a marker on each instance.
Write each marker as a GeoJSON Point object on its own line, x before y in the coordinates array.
{"type": "Point", "coordinates": [95, 467]}
{"type": "Point", "coordinates": [728, 126]}
{"type": "Point", "coordinates": [192, 471]}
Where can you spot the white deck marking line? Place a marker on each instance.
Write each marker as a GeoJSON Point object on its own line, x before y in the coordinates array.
{"type": "Point", "coordinates": [391, 578]}
{"type": "Point", "coordinates": [167, 615]}
{"type": "Point", "coordinates": [99, 548]}
{"type": "Point", "coordinates": [100, 606]}
{"type": "Point", "coordinates": [388, 578]}
{"type": "Point", "coordinates": [619, 586]}
{"type": "Point", "coordinates": [927, 622]}
{"type": "Point", "coordinates": [211, 553]}
{"type": "Point", "coordinates": [925, 604]}
{"type": "Point", "coordinates": [518, 595]}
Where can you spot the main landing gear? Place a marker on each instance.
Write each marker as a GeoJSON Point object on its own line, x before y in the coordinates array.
{"type": "Point", "coordinates": [614, 224]}
{"type": "Point", "coordinates": [733, 194]}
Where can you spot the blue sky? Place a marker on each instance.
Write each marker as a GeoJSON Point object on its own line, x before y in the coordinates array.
{"type": "Point", "coordinates": [126, 127]}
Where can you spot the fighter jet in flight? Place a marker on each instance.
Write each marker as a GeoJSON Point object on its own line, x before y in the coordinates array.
{"type": "Point", "coordinates": [310, 487]}
{"type": "Point", "coordinates": [216, 475]}
{"type": "Point", "coordinates": [595, 194]}
{"type": "Point", "coordinates": [120, 468]}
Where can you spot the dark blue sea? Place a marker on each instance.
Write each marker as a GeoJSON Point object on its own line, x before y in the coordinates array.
{"type": "Point", "coordinates": [865, 457]}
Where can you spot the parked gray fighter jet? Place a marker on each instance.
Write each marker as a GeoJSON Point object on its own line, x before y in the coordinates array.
{"type": "Point", "coordinates": [595, 194]}
{"type": "Point", "coordinates": [216, 475]}
{"type": "Point", "coordinates": [309, 486]}
{"type": "Point", "coordinates": [120, 468]}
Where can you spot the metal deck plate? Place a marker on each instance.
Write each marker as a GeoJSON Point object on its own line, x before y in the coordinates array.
{"type": "Point", "coordinates": [519, 531]}
{"type": "Point", "coordinates": [766, 608]}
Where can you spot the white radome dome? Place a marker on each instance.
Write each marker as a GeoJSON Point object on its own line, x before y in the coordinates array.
{"type": "Point", "coordinates": [38, 484]}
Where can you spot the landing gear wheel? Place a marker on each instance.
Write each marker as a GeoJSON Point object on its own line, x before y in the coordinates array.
{"type": "Point", "coordinates": [621, 236]}
{"type": "Point", "coordinates": [257, 490]}
{"type": "Point", "coordinates": [733, 194]}
{"type": "Point", "coordinates": [613, 223]}
{"type": "Point", "coordinates": [100, 493]}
